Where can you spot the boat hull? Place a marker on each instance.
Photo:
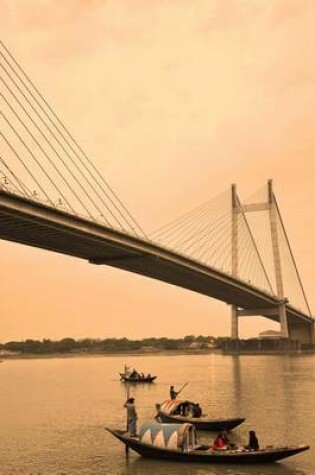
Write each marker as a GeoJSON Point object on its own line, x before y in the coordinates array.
{"type": "Point", "coordinates": [149, 379]}
{"type": "Point", "coordinates": [216, 425]}
{"type": "Point", "coordinates": [226, 457]}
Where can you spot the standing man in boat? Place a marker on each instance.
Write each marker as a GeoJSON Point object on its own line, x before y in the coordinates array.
{"type": "Point", "coordinates": [173, 393]}
{"type": "Point", "coordinates": [132, 416]}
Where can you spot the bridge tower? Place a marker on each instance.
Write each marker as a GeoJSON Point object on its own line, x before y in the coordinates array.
{"type": "Point", "coordinates": [235, 216]}
{"type": "Point", "coordinates": [241, 209]}
{"type": "Point", "coordinates": [277, 260]}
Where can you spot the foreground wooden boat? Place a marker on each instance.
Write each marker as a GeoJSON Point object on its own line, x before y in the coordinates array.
{"type": "Point", "coordinates": [171, 412]}
{"type": "Point", "coordinates": [177, 442]}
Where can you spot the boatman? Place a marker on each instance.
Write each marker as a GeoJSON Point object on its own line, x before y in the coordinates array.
{"type": "Point", "coordinates": [173, 393]}
{"type": "Point", "coordinates": [132, 416]}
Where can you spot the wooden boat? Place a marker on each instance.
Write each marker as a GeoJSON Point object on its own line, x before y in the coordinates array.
{"type": "Point", "coordinates": [171, 412]}
{"type": "Point", "coordinates": [134, 377]}
{"type": "Point", "coordinates": [178, 442]}
{"type": "Point", "coordinates": [129, 379]}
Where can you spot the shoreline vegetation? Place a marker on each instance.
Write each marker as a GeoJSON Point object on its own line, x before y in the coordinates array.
{"type": "Point", "coordinates": [68, 347]}
{"type": "Point", "coordinates": [188, 345]}
{"type": "Point", "coordinates": [78, 354]}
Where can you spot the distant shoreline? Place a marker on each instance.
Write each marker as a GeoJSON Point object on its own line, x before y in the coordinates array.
{"type": "Point", "coordinates": [26, 356]}
{"type": "Point", "coordinates": [129, 354]}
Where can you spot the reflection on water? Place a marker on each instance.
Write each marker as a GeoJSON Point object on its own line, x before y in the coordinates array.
{"type": "Point", "coordinates": [143, 467]}
{"type": "Point", "coordinates": [53, 411]}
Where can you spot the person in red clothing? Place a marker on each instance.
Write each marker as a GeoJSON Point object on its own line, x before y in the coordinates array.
{"type": "Point", "coordinates": [219, 443]}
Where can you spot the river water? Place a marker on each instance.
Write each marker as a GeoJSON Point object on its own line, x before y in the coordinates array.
{"type": "Point", "coordinates": [53, 411]}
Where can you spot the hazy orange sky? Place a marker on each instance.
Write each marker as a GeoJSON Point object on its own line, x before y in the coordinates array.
{"type": "Point", "coordinates": [173, 101]}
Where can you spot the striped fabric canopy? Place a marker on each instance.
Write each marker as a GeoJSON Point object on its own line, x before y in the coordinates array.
{"type": "Point", "coordinates": [170, 405]}
{"type": "Point", "coordinates": [171, 436]}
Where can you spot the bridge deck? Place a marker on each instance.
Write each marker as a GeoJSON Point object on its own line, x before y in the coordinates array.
{"type": "Point", "coordinates": [37, 225]}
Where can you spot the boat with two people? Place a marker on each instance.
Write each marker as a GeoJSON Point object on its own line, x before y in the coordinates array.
{"type": "Point", "coordinates": [133, 376]}
{"type": "Point", "coordinates": [181, 411]}
{"type": "Point", "coordinates": [178, 442]}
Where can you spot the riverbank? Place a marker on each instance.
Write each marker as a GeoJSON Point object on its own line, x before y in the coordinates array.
{"type": "Point", "coordinates": [136, 354]}
{"type": "Point", "coordinates": [79, 354]}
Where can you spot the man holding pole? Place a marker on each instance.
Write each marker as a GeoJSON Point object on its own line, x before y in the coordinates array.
{"type": "Point", "coordinates": [132, 416]}
{"type": "Point", "coordinates": [173, 393]}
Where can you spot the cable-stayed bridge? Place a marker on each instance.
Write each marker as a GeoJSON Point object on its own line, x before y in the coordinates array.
{"type": "Point", "coordinates": [52, 197]}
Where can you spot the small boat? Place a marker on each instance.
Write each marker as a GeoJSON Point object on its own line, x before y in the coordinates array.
{"type": "Point", "coordinates": [173, 411]}
{"type": "Point", "coordinates": [129, 379]}
{"type": "Point", "coordinates": [135, 377]}
{"type": "Point", "coordinates": [178, 442]}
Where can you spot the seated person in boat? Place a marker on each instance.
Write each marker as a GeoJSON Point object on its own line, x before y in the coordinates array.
{"type": "Point", "coordinates": [253, 443]}
{"type": "Point", "coordinates": [196, 410]}
{"type": "Point", "coordinates": [134, 375]}
{"type": "Point", "coordinates": [219, 443]}
{"type": "Point", "coordinates": [178, 410]}
{"type": "Point", "coordinates": [231, 440]}
{"type": "Point", "coordinates": [186, 409]}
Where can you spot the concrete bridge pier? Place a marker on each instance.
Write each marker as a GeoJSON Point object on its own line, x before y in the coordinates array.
{"type": "Point", "coordinates": [302, 331]}
{"type": "Point", "coordinates": [234, 329]}
{"type": "Point", "coordinates": [296, 329]}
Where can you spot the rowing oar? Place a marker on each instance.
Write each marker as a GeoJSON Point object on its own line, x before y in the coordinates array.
{"type": "Point", "coordinates": [127, 387]}
{"type": "Point", "coordinates": [182, 388]}
{"type": "Point", "coordinates": [157, 415]}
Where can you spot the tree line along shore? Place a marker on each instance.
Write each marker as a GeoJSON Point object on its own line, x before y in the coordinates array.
{"type": "Point", "coordinates": [110, 345]}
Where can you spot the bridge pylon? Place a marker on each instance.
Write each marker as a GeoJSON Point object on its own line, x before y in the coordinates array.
{"type": "Point", "coordinates": [239, 209]}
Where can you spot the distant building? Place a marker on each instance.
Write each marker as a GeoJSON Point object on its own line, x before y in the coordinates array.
{"type": "Point", "coordinates": [148, 349]}
{"type": "Point", "coordinates": [9, 352]}
{"type": "Point", "coordinates": [270, 335]}
{"type": "Point", "coordinates": [196, 345]}
{"type": "Point", "coordinates": [201, 345]}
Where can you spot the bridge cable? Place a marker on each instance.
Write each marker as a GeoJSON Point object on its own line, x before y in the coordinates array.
{"type": "Point", "coordinates": [190, 230]}
{"type": "Point", "coordinates": [73, 140]}
{"type": "Point", "coordinates": [46, 155]}
{"type": "Point", "coordinates": [25, 190]}
{"type": "Point", "coordinates": [30, 173]}
{"type": "Point", "coordinates": [218, 225]}
{"type": "Point", "coordinates": [51, 146]}
{"type": "Point", "coordinates": [46, 124]}
{"type": "Point", "coordinates": [178, 221]}
{"type": "Point", "coordinates": [291, 254]}
{"type": "Point", "coordinates": [255, 246]}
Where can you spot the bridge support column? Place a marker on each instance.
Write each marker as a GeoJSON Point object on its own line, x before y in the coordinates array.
{"type": "Point", "coordinates": [277, 259]}
{"type": "Point", "coordinates": [283, 321]}
{"type": "Point", "coordinates": [302, 331]}
{"type": "Point", "coordinates": [234, 242]}
{"type": "Point", "coordinates": [234, 332]}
